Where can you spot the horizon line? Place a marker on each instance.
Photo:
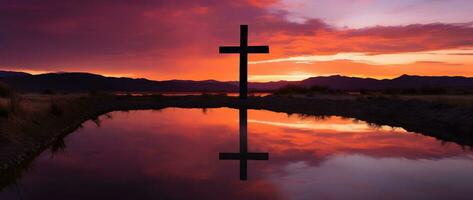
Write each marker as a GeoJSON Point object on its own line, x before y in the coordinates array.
{"type": "Point", "coordinates": [131, 77]}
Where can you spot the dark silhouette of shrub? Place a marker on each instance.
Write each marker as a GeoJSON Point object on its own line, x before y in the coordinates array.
{"type": "Point", "coordinates": [95, 93]}
{"type": "Point", "coordinates": [4, 91]}
{"type": "Point", "coordinates": [48, 92]}
{"type": "Point", "coordinates": [55, 109]}
{"type": "Point", "coordinates": [3, 112]}
{"type": "Point", "coordinates": [432, 90]}
{"type": "Point", "coordinates": [410, 91]}
{"type": "Point", "coordinates": [296, 89]}
{"type": "Point", "coordinates": [291, 89]}
{"type": "Point", "coordinates": [320, 89]}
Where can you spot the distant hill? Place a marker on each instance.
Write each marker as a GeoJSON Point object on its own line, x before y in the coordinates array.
{"type": "Point", "coordinates": [6, 74]}
{"type": "Point", "coordinates": [76, 82]}
{"type": "Point", "coordinates": [402, 82]}
{"type": "Point", "coordinates": [79, 82]}
{"type": "Point", "coordinates": [345, 83]}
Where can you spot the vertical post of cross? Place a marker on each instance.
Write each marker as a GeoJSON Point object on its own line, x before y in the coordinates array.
{"type": "Point", "coordinates": [243, 61]}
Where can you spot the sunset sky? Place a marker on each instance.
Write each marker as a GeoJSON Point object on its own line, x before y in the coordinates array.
{"type": "Point", "coordinates": [179, 39]}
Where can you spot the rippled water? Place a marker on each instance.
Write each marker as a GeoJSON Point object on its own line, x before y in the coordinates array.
{"type": "Point", "coordinates": [174, 154]}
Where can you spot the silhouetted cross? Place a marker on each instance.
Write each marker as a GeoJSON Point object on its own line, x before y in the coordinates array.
{"type": "Point", "coordinates": [244, 50]}
{"type": "Point", "coordinates": [243, 155]}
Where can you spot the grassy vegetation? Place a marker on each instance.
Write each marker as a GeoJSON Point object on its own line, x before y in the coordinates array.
{"type": "Point", "coordinates": [422, 91]}
{"type": "Point", "coordinates": [33, 122]}
{"type": "Point", "coordinates": [434, 95]}
{"type": "Point", "coordinates": [298, 90]}
{"type": "Point", "coordinates": [307, 91]}
{"type": "Point", "coordinates": [9, 101]}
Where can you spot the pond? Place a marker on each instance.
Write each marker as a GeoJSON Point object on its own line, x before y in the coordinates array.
{"type": "Point", "coordinates": [226, 153]}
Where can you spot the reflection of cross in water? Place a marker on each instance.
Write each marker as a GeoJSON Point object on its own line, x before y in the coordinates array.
{"type": "Point", "coordinates": [243, 155]}
{"type": "Point", "coordinates": [244, 50]}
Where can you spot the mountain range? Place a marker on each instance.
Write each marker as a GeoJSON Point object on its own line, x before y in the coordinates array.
{"type": "Point", "coordinates": [79, 82]}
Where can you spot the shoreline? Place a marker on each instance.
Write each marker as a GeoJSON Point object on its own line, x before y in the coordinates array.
{"type": "Point", "coordinates": [33, 133]}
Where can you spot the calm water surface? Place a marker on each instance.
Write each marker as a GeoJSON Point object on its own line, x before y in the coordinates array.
{"type": "Point", "coordinates": [174, 154]}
